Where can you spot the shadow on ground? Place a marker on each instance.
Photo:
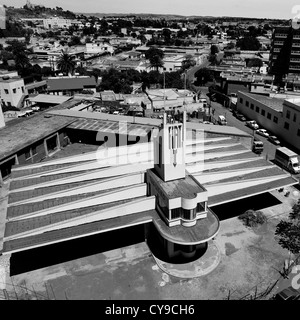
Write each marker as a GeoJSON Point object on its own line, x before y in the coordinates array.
{"type": "Point", "coordinates": [236, 208]}
{"type": "Point", "coordinates": [46, 256]}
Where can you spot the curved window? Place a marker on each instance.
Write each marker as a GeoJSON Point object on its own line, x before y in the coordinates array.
{"type": "Point", "coordinates": [189, 214]}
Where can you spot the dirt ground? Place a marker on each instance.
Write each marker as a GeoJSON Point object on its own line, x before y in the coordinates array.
{"type": "Point", "coordinates": [249, 258]}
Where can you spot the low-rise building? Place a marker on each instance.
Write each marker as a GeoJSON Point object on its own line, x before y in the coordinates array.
{"type": "Point", "coordinates": [13, 91]}
{"type": "Point", "coordinates": [280, 116]}
{"type": "Point", "coordinates": [57, 23]}
{"type": "Point", "coordinates": [70, 85]}
{"type": "Point", "coordinates": [98, 48]}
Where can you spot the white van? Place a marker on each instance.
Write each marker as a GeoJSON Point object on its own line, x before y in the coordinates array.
{"type": "Point", "coordinates": [222, 121]}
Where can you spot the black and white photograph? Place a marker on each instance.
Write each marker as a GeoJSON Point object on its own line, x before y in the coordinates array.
{"type": "Point", "coordinates": [149, 153]}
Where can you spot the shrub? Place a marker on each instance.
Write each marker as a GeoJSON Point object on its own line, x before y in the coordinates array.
{"type": "Point", "coordinates": [252, 218]}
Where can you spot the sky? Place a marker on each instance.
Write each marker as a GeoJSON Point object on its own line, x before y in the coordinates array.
{"type": "Point", "coordinates": [276, 9]}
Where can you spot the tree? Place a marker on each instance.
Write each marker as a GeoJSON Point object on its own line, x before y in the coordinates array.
{"type": "Point", "coordinates": [66, 63]}
{"type": "Point", "coordinates": [248, 43]}
{"type": "Point", "coordinates": [203, 75]}
{"type": "Point", "coordinates": [288, 235]}
{"type": "Point", "coordinates": [188, 62]}
{"type": "Point", "coordinates": [16, 47]}
{"type": "Point", "coordinates": [255, 62]}
{"type": "Point", "coordinates": [214, 49]}
{"type": "Point", "coordinates": [155, 57]}
{"type": "Point", "coordinates": [253, 218]}
{"type": "Point", "coordinates": [295, 214]}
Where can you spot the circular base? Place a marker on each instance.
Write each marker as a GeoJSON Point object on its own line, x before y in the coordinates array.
{"type": "Point", "coordinates": [200, 267]}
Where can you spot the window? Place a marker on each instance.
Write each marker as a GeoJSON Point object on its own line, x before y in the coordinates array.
{"type": "Point", "coordinates": [15, 90]}
{"type": "Point", "coordinates": [263, 112]}
{"type": "Point", "coordinates": [269, 116]}
{"type": "Point", "coordinates": [22, 89]}
{"type": "Point", "coordinates": [252, 106]}
{"type": "Point", "coordinates": [257, 109]}
{"type": "Point", "coordinates": [298, 133]}
{"type": "Point", "coordinates": [286, 125]}
{"type": "Point", "coordinates": [6, 91]}
{"type": "Point", "coordinates": [288, 114]}
{"type": "Point", "coordinates": [27, 154]}
{"type": "Point", "coordinates": [241, 100]}
{"type": "Point", "coordinates": [247, 103]}
{"type": "Point", "coordinates": [295, 117]}
{"type": "Point", "coordinates": [33, 150]}
{"type": "Point", "coordinates": [275, 119]}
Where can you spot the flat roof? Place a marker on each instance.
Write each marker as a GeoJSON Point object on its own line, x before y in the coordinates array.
{"type": "Point", "coordinates": [50, 99]}
{"type": "Point", "coordinates": [204, 229]}
{"type": "Point", "coordinates": [185, 188]}
{"type": "Point", "coordinates": [60, 84]}
{"type": "Point", "coordinates": [274, 103]}
{"type": "Point", "coordinates": [28, 131]}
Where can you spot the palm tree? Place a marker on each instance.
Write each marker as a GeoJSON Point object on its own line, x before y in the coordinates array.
{"type": "Point", "coordinates": [66, 63]}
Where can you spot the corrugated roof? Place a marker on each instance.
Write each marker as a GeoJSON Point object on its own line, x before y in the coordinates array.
{"type": "Point", "coordinates": [50, 99]}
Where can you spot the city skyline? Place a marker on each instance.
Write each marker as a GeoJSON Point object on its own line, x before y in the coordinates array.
{"type": "Point", "coordinates": [229, 8]}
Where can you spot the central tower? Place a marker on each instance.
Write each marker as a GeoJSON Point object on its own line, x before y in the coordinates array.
{"type": "Point", "coordinates": [169, 149]}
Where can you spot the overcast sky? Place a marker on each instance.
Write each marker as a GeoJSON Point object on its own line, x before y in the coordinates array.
{"type": "Point", "coordinates": [280, 9]}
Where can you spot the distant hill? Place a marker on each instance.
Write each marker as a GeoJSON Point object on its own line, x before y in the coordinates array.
{"type": "Point", "coordinates": [37, 12]}
{"type": "Point", "coordinates": [142, 15]}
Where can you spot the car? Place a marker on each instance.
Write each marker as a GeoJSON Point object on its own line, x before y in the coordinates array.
{"type": "Point", "coordinates": [116, 112]}
{"type": "Point", "coordinates": [252, 124]}
{"type": "Point", "coordinates": [35, 109]}
{"type": "Point", "coordinates": [240, 116]}
{"type": "Point", "coordinates": [262, 132]}
{"type": "Point", "coordinates": [207, 122]}
{"type": "Point", "coordinates": [288, 293]}
{"type": "Point", "coordinates": [274, 140]}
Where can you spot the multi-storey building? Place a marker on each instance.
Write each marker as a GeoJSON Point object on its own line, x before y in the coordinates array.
{"type": "Point", "coordinates": [285, 51]}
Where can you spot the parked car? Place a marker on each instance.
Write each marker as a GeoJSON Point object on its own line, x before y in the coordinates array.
{"type": "Point", "coordinates": [222, 120]}
{"type": "Point", "coordinates": [288, 293]}
{"type": "Point", "coordinates": [207, 122]}
{"type": "Point", "coordinates": [252, 124]}
{"type": "Point", "coordinates": [274, 140]}
{"type": "Point", "coordinates": [240, 116]}
{"type": "Point", "coordinates": [262, 132]}
{"type": "Point", "coordinates": [35, 108]}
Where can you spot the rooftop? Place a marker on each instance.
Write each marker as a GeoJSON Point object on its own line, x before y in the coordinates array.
{"type": "Point", "coordinates": [180, 188]}
{"type": "Point", "coordinates": [50, 99]}
{"type": "Point", "coordinates": [60, 84]}
{"type": "Point", "coordinates": [27, 131]}
{"type": "Point", "coordinates": [274, 103]}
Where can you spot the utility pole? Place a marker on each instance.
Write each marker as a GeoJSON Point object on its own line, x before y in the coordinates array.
{"type": "Point", "coordinates": [164, 92]}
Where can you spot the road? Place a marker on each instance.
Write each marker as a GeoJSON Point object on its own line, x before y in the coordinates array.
{"type": "Point", "coordinates": [190, 74]}
{"type": "Point", "coordinates": [269, 148]}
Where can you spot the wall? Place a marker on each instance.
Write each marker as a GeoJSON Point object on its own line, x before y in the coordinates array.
{"type": "Point", "coordinates": [262, 121]}
{"type": "Point", "coordinates": [11, 97]}
{"type": "Point", "coordinates": [2, 122]}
